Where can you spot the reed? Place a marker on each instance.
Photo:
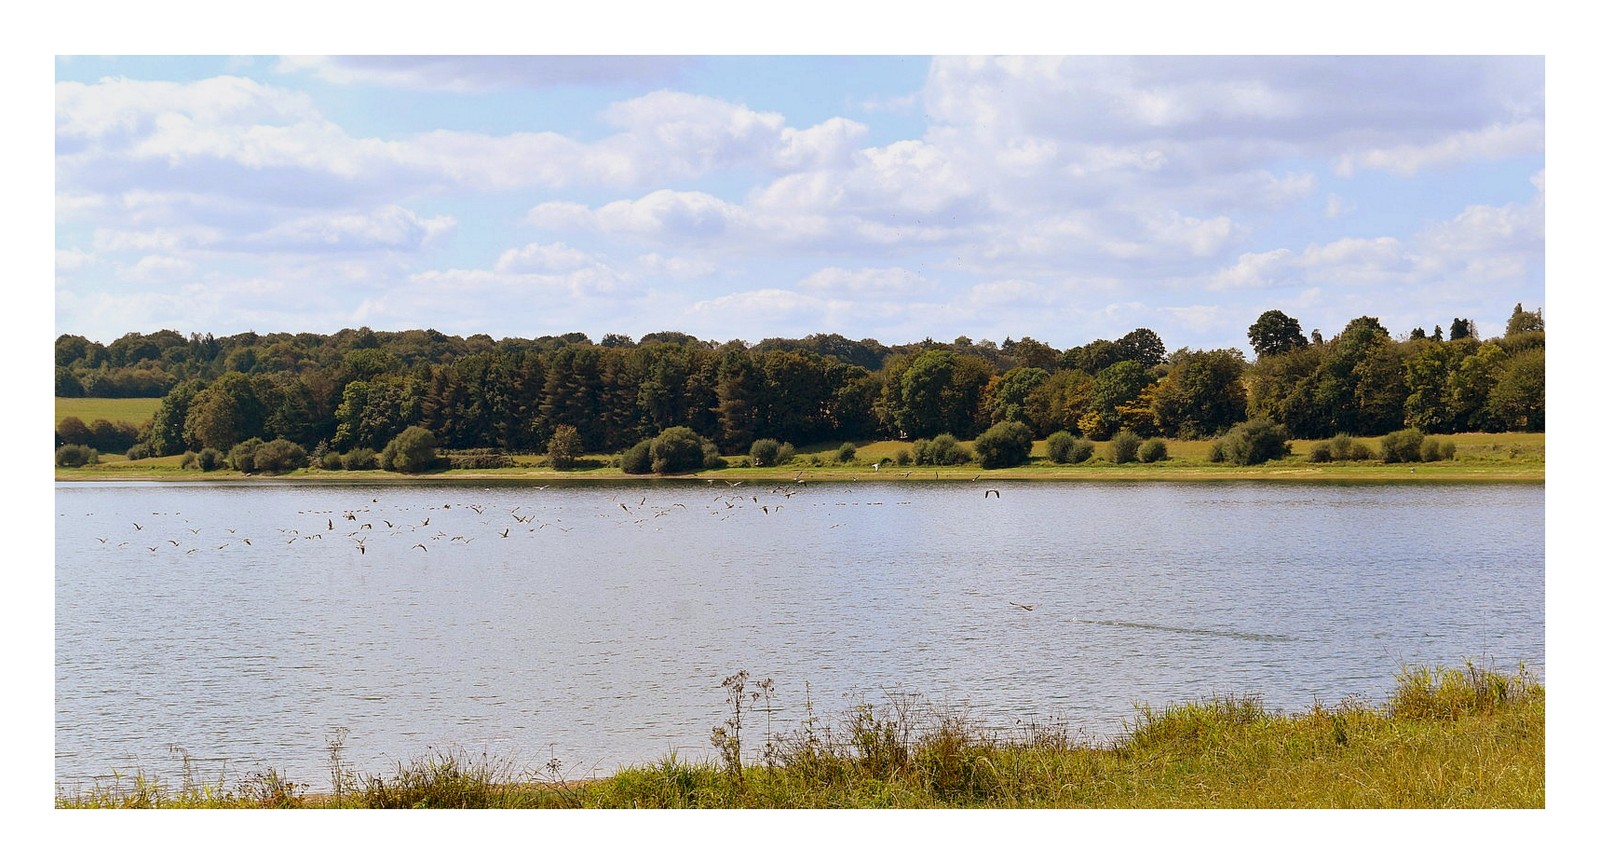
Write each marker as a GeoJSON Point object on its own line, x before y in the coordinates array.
{"type": "Point", "coordinates": [1467, 737]}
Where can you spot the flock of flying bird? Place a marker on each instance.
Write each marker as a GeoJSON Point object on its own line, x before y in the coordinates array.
{"type": "Point", "coordinates": [370, 524]}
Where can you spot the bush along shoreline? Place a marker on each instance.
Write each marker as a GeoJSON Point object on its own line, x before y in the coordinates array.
{"type": "Point", "coordinates": [1463, 737]}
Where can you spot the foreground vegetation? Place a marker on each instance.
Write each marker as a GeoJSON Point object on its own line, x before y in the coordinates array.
{"type": "Point", "coordinates": [1446, 738]}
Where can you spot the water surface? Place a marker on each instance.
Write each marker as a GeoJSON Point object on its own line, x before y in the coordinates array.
{"type": "Point", "coordinates": [244, 623]}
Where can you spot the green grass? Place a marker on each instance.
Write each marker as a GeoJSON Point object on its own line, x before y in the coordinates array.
{"type": "Point", "coordinates": [134, 411]}
{"type": "Point", "coordinates": [1447, 738]}
{"type": "Point", "coordinates": [1490, 457]}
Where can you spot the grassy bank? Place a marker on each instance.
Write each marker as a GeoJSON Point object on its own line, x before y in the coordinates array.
{"type": "Point", "coordinates": [1493, 457]}
{"type": "Point", "coordinates": [1451, 738]}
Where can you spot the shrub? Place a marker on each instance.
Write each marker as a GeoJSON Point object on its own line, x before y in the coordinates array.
{"type": "Point", "coordinates": [1402, 446]}
{"type": "Point", "coordinates": [1058, 445]}
{"type": "Point", "coordinates": [209, 459]}
{"type": "Point", "coordinates": [243, 455]}
{"type": "Point", "coordinates": [636, 459]}
{"type": "Point", "coordinates": [764, 452]}
{"type": "Point", "coordinates": [677, 450]}
{"type": "Point", "coordinates": [767, 452]}
{"type": "Point", "coordinates": [139, 451]}
{"type": "Point", "coordinates": [188, 460]}
{"type": "Point", "coordinates": [76, 456]}
{"type": "Point", "coordinates": [1064, 448]}
{"type": "Point", "coordinates": [475, 458]}
{"type": "Point", "coordinates": [411, 452]}
{"type": "Point", "coordinates": [1360, 452]}
{"type": "Point", "coordinates": [107, 436]}
{"type": "Point", "coordinates": [1252, 443]}
{"type": "Point", "coordinates": [278, 456]}
{"type": "Point", "coordinates": [564, 448]}
{"type": "Point", "coordinates": [944, 449]}
{"type": "Point", "coordinates": [847, 453]}
{"type": "Point", "coordinates": [72, 430]}
{"type": "Point", "coordinates": [1124, 447]}
{"type": "Point", "coordinates": [1434, 450]}
{"type": "Point", "coordinates": [903, 457]}
{"type": "Point", "coordinates": [1004, 445]}
{"type": "Point", "coordinates": [361, 459]}
{"type": "Point", "coordinates": [331, 461]}
{"type": "Point", "coordinates": [713, 457]}
{"type": "Point", "coordinates": [1321, 451]}
{"type": "Point", "coordinates": [1340, 447]}
{"type": "Point", "coordinates": [1154, 450]}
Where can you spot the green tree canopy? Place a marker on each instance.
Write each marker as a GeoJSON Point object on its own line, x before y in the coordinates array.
{"type": "Point", "coordinates": [1275, 333]}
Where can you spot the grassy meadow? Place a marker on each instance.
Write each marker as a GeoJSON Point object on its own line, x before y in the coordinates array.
{"type": "Point", "coordinates": [1445, 738]}
{"type": "Point", "coordinates": [87, 409]}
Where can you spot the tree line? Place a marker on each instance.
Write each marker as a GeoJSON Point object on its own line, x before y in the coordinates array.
{"type": "Point", "coordinates": [359, 389]}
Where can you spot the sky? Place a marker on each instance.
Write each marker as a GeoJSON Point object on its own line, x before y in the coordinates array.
{"type": "Point", "coordinates": [893, 197]}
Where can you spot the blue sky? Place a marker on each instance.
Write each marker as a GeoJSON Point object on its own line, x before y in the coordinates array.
{"type": "Point", "coordinates": [890, 197]}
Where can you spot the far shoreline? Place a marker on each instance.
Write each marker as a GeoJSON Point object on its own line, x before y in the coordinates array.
{"type": "Point", "coordinates": [1270, 473]}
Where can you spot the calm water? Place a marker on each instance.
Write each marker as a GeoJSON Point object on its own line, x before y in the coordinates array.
{"type": "Point", "coordinates": [594, 623]}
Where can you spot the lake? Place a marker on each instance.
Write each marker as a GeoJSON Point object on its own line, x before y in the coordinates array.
{"type": "Point", "coordinates": [244, 623]}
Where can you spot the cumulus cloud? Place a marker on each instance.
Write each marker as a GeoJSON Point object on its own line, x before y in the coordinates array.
{"type": "Point", "coordinates": [228, 132]}
{"type": "Point", "coordinates": [1038, 184]}
{"type": "Point", "coordinates": [1496, 141]}
{"type": "Point", "coordinates": [536, 258]}
{"type": "Point", "coordinates": [677, 267]}
{"type": "Point", "coordinates": [476, 73]}
{"type": "Point", "coordinates": [386, 228]}
{"type": "Point", "coordinates": [72, 259]}
{"type": "Point", "coordinates": [868, 282]}
{"type": "Point", "coordinates": [1480, 246]}
{"type": "Point", "coordinates": [157, 268]}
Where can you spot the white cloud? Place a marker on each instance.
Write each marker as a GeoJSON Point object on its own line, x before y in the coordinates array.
{"type": "Point", "coordinates": [72, 259]}
{"type": "Point", "coordinates": [1201, 238]}
{"type": "Point", "coordinates": [666, 213]}
{"type": "Point", "coordinates": [1481, 247]}
{"type": "Point", "coordinates": [190, 135]}
{"type": "Point", "coordinates": [677, 267]}
{"type": "Point", "coordinates": [865, 283]}
{"type": "Point", "coordinates": [1496, 141]}
{"type": "Point", "coordinates": [1254, 270]}
{"type": "Point", "coordinates": [1010, 293]}
{"type": "Point", "coordinates": [387, 228]}
{"type": "Point", "coordinates": [157, 268]}
{"type": "Point", "coordinates": [476, 73]}
{"type": "Point", "coordinates": [158, 239]}
{"type": "Point", "coordinates": [536, 258]}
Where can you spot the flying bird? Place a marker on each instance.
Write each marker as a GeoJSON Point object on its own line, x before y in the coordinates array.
{"type": "Point", "coordinates": [1028, 607]}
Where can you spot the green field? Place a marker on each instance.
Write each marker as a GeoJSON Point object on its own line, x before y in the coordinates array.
{"type": "Point", "coordinates": [1446, 738]}
{"type": "Point", "coordinates": [134, 411]}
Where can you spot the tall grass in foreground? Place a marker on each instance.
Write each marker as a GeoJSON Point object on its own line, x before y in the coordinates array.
{"type": "Point", "coordinates": [1446, 738]}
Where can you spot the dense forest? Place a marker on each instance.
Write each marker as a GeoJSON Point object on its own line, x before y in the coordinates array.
{"type": "Point", "coordinates": [360, 388]}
